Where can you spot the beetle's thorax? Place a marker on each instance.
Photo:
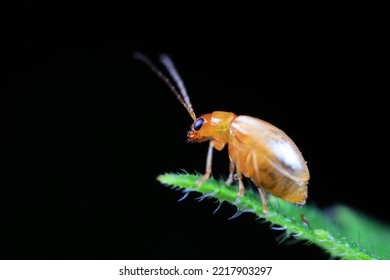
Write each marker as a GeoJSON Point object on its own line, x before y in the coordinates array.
{"type": "Point", "coordinates": [213, 126]}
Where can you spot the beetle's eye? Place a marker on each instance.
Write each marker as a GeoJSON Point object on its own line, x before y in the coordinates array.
{"type": "Point", "coordinates": [198, 124]}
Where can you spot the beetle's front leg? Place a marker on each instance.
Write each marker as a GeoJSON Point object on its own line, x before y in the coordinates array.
{"type": "Point", "coordinates": [208, 165]}
{"type": "Point", "coordinates": [229, 180]}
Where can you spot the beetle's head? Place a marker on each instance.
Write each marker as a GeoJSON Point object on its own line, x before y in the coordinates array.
{"type": "Point", "coordinates": [200, 130]}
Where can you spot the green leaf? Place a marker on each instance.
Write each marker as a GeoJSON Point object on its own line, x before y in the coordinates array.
{"type": "Point", "coordinates": [341, 231]}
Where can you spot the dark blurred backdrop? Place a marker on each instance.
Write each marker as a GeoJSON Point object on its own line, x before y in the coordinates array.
{"type": "Point", "coordinates": [87, 129]}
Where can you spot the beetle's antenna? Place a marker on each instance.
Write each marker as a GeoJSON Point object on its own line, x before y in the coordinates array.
{"type": "Point", "coordinates": [180, 94]}
{"type": "Point", "coordinates": [168, 63]}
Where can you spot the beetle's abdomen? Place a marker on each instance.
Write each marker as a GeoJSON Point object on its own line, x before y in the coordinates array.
{"type": "Point", "coordinates": [269, 157]}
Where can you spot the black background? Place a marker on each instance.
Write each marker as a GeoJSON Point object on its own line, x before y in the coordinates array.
{"type": "Point", "coordinates": [87, 129]}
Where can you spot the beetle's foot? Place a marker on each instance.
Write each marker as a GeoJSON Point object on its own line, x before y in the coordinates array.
{"type": "Point", "coordinates": [203, 179]}
{"type": "Point", "coordinates": [229, 180]}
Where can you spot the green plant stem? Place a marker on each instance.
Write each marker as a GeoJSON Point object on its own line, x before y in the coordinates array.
{"type": "Point", "coordinates": [316, 227]}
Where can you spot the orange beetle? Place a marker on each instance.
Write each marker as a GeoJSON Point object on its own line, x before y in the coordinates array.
{"type": "Point", "coordinates": [257, 149]}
